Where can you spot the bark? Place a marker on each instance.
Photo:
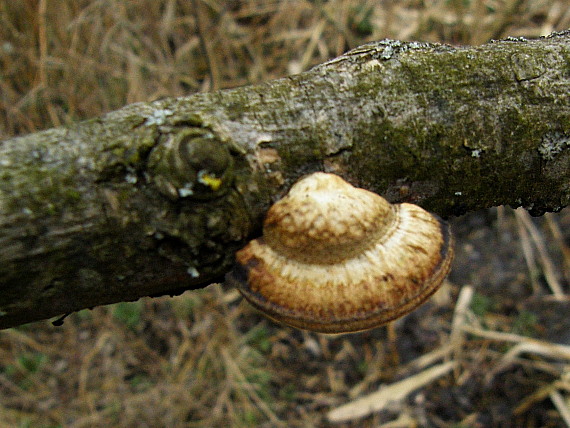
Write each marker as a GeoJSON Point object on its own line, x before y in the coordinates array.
{"type": "Point", "coordinates": [155, 198]}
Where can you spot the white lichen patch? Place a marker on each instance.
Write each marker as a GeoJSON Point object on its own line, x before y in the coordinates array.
{"type": "Point", "coordinates": [390, 48]}
{"type": "Point", "coordinates": [552, 144]}
{"type": "Point", "coordinates": [387, 52]}
{"type": "Point", "coordinates": [186, 190]}
{"type": "Point", "coordinates": [158, 117]}
{"type": "Point", "coordinates": [193, 272]}
{"type": "Point", "coordinates": [516, 39]}
{"type": "Point", "coordinates": [382, 50]}
{"type": "Point", "coordinates": [131, 176]}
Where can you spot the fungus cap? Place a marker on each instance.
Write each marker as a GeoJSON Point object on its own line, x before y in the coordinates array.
{"type": "Point", "coordinates": [334, 258]}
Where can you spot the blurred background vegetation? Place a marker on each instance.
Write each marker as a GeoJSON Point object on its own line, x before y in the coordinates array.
{"type": "Point", "coordinates": [205, 359]}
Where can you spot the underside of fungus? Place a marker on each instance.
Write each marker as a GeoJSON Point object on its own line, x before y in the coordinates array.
{"type": "Point", "coordinates": [334, 258]}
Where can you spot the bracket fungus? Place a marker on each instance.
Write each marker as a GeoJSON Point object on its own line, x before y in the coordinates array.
{"type": "Point", "coordinates": [334, 258]}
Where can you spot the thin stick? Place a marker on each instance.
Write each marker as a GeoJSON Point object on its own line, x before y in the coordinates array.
{"type": "Point", "coordinates": [387, 394]}
{"type": "Point", "coordinates": [561, 405]}
{"type": "Point", "coordinates": [547, 265]}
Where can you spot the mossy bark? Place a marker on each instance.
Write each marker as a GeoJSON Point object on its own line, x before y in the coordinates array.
{"type": "Point", "coordinates": [156, 197]}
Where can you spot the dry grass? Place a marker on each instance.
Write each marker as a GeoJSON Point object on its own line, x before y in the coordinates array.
{"type": "Point", "coordinates": [491, 349]}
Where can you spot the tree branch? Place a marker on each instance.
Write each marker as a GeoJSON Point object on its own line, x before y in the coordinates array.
{"type": "Point", "coordinates": [156, 197]}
